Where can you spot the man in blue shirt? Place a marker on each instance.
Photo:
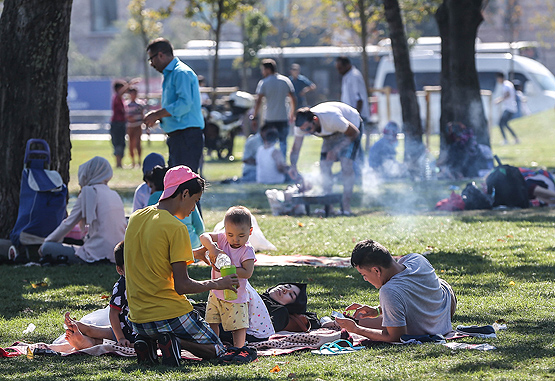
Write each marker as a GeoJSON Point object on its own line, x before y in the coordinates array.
{"type": "Point", "coordinates": [180, 116]}
{"type": "Point", "coordinates": [301, 84]}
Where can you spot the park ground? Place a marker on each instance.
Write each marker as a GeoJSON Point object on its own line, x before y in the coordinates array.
{"type": "Point", "coordinates": [500, 263]}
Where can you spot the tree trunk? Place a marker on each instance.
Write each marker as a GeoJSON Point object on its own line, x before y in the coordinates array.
{"type": "Point", "coordinates": [244, 83]}
{"type": "Point", "coordinates": [34, 38]}
{"type": "Point", "coordinates": [412, 125]}
{"type": "Point", "coordinates": [461, 101]}
{"type": "Point", "coordinates": [219, 22]}
{"type": "Point", "coordinates": [364, 41]}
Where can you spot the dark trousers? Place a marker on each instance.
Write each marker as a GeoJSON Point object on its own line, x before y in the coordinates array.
{"type": "Point", "coordinates": [283, 130]}
{"type": "Point", "coordinates": [504, 123]}
{"type": "Point", "coordinates": [186, 147]}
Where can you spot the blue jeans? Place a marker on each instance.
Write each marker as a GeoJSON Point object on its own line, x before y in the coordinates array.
{"type": "Point", "coordinates": [504, 123]}
{"type": "Point", "coordinates": [283, 130]}
{"type": "Point", "coordinates": [186, 147]}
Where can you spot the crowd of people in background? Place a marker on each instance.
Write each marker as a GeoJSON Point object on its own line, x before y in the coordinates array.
{"type": "Point", "coordinates": [281, 106]}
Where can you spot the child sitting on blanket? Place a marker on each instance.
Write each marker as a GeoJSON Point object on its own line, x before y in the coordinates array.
{"type": "Point", "coordinates": [232, 314]}
{"type": "Point", "coordinates": [82, 336]}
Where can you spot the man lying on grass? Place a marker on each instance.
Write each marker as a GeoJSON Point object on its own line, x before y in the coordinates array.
{"type": "Point", "coordinates": [413, 300]}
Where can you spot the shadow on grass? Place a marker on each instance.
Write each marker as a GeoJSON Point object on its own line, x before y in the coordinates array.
{"type": "Point", "coordinates": [65, 288]}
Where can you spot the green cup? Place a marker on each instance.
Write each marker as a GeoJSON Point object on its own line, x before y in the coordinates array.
{"type": "Point", "coordinates": [228, 270]}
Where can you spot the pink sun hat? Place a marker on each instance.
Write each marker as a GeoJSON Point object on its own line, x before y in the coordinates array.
{"type": "Point", "coordinates": [174, 178]}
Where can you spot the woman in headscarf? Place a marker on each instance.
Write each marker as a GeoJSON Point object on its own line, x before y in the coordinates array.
{"type": "Point", "coordinates": [98, 210]}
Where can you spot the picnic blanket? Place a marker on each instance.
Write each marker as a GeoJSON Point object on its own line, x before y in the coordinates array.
{"type": "Point", "coordinates": [301, 260]}
{"type": "Point", "coordinates": [296, 260]}
{"type": "Point", "coordinates": [281, 343]}
{"type": "Point", "coordinates": [285, 342]}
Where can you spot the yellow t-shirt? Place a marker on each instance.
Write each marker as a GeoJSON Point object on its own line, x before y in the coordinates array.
{"type": "Point", "coordinates": [153, 241]}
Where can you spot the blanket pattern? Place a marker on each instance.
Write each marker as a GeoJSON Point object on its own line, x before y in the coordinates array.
{"type": "Point", "coordinates": [286, 342]}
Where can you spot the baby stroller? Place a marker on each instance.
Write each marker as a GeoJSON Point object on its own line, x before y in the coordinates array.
{"type": "Point", "coordinates": [42, 201]}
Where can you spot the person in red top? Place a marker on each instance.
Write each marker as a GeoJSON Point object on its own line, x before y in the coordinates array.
{"type": "Point", "coordinates": [119, 121]}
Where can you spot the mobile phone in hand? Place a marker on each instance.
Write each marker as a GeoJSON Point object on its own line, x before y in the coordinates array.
{"type": "Point", "coordinates": [337, 314]}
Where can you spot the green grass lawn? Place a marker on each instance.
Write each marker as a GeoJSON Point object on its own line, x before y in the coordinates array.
{"type": "Point", "coordinates": [501, 265]}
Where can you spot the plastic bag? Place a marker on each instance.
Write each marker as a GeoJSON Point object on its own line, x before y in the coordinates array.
{"type": "Point", "coordinates": [257, 238]}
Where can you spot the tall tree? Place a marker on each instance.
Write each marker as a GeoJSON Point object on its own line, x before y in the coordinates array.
{"type": "Point", "coordinates": [214, 13]}
{"type": "Point", "coordinates": [255, 27]}
{"type": "Point", "coordinates": [34, 40]}
{"type": "Point", "coordinates": [461, 101]}
{"type": "Point", "coordinates": [412, 125]}
{"type": "Point", "coordinates": [361, 16]}
{"type": "Point", "coordinates": [145, 23]}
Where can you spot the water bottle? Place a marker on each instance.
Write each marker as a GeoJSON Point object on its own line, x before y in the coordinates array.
{"type": "Point", "coordinates": [222, 260]}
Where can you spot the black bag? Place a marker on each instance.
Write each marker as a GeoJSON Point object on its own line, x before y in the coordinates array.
{"type": "Point", "coordinates": [507, 186]}
{"type": "Point", "coordinates": [474, 198]}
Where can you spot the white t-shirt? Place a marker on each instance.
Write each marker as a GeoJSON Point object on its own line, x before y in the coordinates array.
{"type": "Point", "coordinates": [509, 103]}
{"type": "Point", "coordinates": [415, 298]}
{"type": "Point", "coordinates": [249, 151]}
{"type": "Point", "coordinates": [266, 167]}
{"type": "Point", "coordinates": [334, 117]}
{"type": "Point", "coordinates": [141, 196]}
{"type": "Point", "coordinates": [353, 89]}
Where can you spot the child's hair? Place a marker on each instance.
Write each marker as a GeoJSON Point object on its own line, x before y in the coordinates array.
{"type": "Point", "coordinates": [194, 186]}
{"type": "Point", "coordinates": [156, 176]}
{"type": "Point", "coordinates": [271, 136]}
{"type": "Point", "coordinates": [132, 90]}
{"type": "Point", "coordinates": [118, 84]}
{"type": "Point", "coordinates": [369, 253]}
{"type": "Point", "coordinates": [118, 254]}
{"type": "Point", "coordinates": [238, 215]}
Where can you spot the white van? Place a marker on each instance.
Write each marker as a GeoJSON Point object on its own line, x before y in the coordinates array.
{"type": "Point", "coordinates": [537, 81]}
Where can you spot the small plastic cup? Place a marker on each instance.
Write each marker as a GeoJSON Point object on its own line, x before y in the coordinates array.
{"type": "Point", "coordinates": [228, 270]}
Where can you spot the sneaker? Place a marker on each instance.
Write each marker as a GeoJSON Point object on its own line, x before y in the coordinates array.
{"type": "Point", "coordinates": [12, 253]}
{"type": "Point", "coordinates": [229, 354]}
{"type": "Point", "coordinates": [245, 355]}
{"type": "Point", "coordinates": [171, 349]}
{"type": "Point", "coordinates": [145, 349]}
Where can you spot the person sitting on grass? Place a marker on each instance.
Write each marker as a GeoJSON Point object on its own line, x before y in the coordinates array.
{"type": "Point", "coordinates": [143, 191]}
{"type": "Point", "coordinates": [194, 222]}
{"type": "Point", "coordinates": [270, 163]}
{"type": "Point", "coordinates": [157, 255]}
{"type": "Point", "coordinates": [413, 300]}
{"type": "Point", "coordinates": [232, 314]}
{"type": "Point", "coordinates": [81, 335]}
{"type": "Point", "coordinates": [98, 210]}
{"type": "Point", "coordinates": [382, 155]}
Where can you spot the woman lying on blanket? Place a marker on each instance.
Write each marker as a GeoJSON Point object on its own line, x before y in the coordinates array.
{"type": "Point", "coordinates": [277, 309]}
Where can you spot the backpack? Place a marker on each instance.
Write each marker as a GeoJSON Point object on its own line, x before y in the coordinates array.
{"type": "Point", "coordinates": [474, 198]}
{"type": "Point", "coordinates": [507, 186]}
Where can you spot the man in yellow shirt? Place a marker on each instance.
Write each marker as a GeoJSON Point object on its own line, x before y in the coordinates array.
{"type": "Point", "coordinates": [157, 253]}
